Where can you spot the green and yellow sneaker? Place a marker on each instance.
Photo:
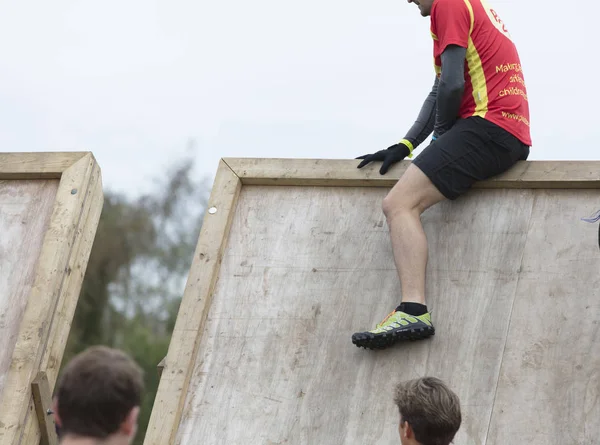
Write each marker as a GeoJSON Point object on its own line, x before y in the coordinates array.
{"type": "Point", "coordinates": [395, 327]}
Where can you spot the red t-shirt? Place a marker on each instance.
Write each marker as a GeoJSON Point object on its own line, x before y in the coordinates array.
{"type": "Point", "coordinates": [494, 87]}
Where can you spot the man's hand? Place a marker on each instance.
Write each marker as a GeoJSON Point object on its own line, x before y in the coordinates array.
{"type": "Point", "coordinates": [390, 156]}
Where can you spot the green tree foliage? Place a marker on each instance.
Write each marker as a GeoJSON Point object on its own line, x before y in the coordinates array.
{"type": "Point", "coordinates": [137, 271]}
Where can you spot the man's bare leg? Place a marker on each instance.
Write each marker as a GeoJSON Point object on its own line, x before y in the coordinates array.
{"type": "Point", "coordinates": [409, 198]}
{"type": "Point", "coordinates": [403, 206]}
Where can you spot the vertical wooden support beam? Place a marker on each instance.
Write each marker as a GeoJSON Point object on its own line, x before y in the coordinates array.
{"type": "Point", "coordinates": [42, 400]}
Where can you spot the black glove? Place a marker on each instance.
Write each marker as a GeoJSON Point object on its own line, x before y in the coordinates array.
{"type": "Point", "coordinates": [390, 156]}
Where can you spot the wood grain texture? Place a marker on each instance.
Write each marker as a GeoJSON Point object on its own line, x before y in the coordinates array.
{"type": "Point", "coordinates": [178, 364]}
{"type": "Point", "coordinates": [263, 351]}
{"type": "Point", "coordinates": [53, 281]}
{"type": "Point", "coordinates": [25, 209]}
{"type": "Point", "coordinates": [42, 400]}
{"type": "Point", "coordinates": [305, 267]}
{"type": "Point", "coordinates": [549, 388]}
{"type": "Point", "coordinates": [37, 165]}
{"type": "Point", "coordinates": [67, 300]}
{"type": "Point", "coordinates": [474, 267]}
{"type": "Point", "coordinates": [343, 172]}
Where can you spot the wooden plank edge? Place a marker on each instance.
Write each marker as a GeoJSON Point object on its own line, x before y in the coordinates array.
{"type": "Point", "coordinates": [344, 172]}
{"type": "Point", "coordinates": [67, 302]}
{"type": "Point", "coordinates": [47, 286]}
{"type": "Point", "coordinates": [42, 399]}
{"type": "Point", "coordinates": [37, 165]}
{"type": "Point", "coordinates": [183, 347]}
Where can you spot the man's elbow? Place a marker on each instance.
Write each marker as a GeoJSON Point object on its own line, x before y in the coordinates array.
{"type": "Point", "coordinates": [453, 88]}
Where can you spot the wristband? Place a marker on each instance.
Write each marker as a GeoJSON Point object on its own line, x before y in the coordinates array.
{"type": "Point", "coordinates": [409, 145]}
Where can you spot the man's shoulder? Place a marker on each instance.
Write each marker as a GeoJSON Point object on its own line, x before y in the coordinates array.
{"type": "Point", "coordinates": [437, 4]}
{"type": "Point", "coordinates": [441, 8]}
{"type": "Point", "coordinates": [456, 3]}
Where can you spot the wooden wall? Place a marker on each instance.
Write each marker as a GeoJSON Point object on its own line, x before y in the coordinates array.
{"type": "Point", "coordinates": [50, 205]}
{"type": "Point", "coordinates": [283, 275]}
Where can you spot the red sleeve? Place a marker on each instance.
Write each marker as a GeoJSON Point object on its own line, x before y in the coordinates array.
{"type": "Point", "coordinates": [451, 20]}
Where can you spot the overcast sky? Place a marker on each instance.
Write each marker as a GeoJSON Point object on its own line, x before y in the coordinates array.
{"type": "Point", "coordinates": [133, 81]}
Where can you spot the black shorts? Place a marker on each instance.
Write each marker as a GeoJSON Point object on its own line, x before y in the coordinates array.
{"type": "Point", "coordinates": [474, 149]}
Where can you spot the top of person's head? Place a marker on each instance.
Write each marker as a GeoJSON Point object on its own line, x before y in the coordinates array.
{"type": "Point", "coordinates": [431, 409]}
{"type": "Point", "coordinates": [100, 390]}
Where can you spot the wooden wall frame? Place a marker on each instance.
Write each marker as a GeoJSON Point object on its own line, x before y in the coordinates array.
{"type": "Point", "coordinates": [59, 273]}
{"type": "Point", "coordinates": [232, 175]}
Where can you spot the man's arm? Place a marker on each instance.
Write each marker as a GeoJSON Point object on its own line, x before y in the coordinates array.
{"type": "Point", "coordinates": [440, 109]}
{"type": "Point", "coordinates": [425, 122]}
{"type": "Point", "coordinates": [450, 89]}
{"type": "Point", "coordinates": [422, 128]}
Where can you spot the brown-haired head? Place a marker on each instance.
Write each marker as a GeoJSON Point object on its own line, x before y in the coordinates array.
{"type": "Point", "coordinates": [99, 395]}
{"type": "Point", "coordinates": [429, 411]}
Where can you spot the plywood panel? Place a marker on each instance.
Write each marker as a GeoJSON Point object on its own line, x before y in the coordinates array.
{"type": "Point", "coordinates": [549, 389]}
{"type": "Point", "coordinates": [304, 268]}
{"type": "Point", "coordinates": [25, 209]}
{"type": "Point", "coordinates": [50, 204]}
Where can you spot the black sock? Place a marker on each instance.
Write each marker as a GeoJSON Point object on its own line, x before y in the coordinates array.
{"type": "Point", "coordinates": [412, 308]}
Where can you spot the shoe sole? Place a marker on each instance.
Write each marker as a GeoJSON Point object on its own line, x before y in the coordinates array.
{"type": "Point", "coordinates": [384, 340]}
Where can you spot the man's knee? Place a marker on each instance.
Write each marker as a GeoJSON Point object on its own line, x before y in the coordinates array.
{"type": "Point", "coordinates": [413, 192]}
{"type": "Point", "coordinates": [397, 201]}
